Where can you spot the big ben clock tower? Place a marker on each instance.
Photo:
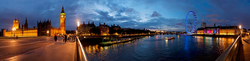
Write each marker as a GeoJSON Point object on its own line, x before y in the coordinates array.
{"type": "Point", "coordinates": [62, 21]}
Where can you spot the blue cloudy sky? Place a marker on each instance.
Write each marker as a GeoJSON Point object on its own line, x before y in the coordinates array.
{"type": "Point", "coordinates": [166, 15]}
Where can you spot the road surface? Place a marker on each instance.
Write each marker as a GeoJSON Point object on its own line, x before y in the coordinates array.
{"type": "Point", "coordinates": [36, 49]}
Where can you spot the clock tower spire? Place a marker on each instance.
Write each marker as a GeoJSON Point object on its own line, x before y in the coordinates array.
{"type": "Point", "coordinates": [62, 21]}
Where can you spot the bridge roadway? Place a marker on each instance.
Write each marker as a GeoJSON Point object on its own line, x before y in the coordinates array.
{"type": "Point", "coordinates": [36, 49]}
{"type": "Point", "coordinates": [244, 51]}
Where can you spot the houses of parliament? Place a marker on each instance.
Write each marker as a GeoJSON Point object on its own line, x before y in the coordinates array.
{"type": "Point", "coordinates": [43, 28]}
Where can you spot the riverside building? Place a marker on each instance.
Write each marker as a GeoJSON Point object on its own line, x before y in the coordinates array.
{"type": "Point", "coordinates": [218, 30]}
{"type": "Point", "coordinates": [43, 28]}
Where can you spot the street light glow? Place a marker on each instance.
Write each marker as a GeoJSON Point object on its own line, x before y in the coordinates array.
{"type": "Point", "coordinates": [78, 23]}
{"type": "Point", "coordinates": [240, 26]}
{"type": "Point", "coordinates": [13, 29]}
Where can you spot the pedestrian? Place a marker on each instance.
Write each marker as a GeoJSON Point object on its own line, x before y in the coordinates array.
{"type": "Point", "coordinates": [55, 37]}
{"type": "Point", "coordinates": [65, 38]}
{"type": "Point", "coordinates": [74, 38]}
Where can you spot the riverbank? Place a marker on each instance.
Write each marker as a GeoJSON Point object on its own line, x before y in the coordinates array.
{"type": "Point", "coordinates": [116, 36]}
{"type": "Point", "coordinates": [110, 42]}
{"type": "Point", "coordinates": [107, 40]}
{"type": "Point", "coordinates": [212, 35]}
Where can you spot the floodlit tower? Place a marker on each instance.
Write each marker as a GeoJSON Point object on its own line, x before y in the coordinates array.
{"type": "Point", "coordinates": [25, 26]}
{"type": "Point", "coordinates": [62, 21]}
{"type": "Point", "coordinates": [15, 23]}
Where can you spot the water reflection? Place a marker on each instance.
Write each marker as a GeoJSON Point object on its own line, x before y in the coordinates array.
{"type": "Point", "coordinates": [153, 48]}
{"type": "Point", "coordinates": [156, 37]}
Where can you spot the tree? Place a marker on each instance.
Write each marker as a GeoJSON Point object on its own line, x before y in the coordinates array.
{"type": "Point", "coordinates": [95, 30]}
{"type": "Point", "coordinates": [111, 30]}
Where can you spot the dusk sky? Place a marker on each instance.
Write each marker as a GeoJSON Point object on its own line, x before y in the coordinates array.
{"type": "Point", "coordinates": [168, 15]}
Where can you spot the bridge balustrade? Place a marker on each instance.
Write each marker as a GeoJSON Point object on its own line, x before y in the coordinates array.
{"type": "Point", "coordinates": [80, 54]}
{"type": "Point", "coordinates": [230, 54]}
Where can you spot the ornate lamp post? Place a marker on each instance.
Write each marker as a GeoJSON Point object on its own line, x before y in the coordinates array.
{"type": "Point", "coordinates": [47, 33]}
{"type": "Point", "coordinates": [78, 24]}
{"type": "Point", "coordinates": [240, 29]}
{"type": "Point", "coordinates": [14, 29]}
{"type": "Point", "coordinates": [240, 26]}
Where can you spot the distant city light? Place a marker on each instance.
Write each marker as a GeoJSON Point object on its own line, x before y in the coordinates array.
{"type": "Point", "coordinates": [47, 31]}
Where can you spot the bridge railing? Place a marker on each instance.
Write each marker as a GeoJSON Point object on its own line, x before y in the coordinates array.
{"type": "Point", "coordinates": [80, 54]}
{"type": "Point", "coordinates": [230, 54]}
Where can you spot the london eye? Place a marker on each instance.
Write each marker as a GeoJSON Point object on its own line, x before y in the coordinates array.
{"type": "Point", "coordinates": [190, 24]}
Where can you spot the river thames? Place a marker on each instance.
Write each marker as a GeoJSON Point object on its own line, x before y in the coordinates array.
{"type": "Point", "coordinates": [155, 48]}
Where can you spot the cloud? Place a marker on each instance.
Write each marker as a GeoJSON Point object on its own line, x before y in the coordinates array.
{"type": "Point", "coordinates": [203, 20]}
{"type": "Point", "coordinates": [159, 13]}
{"type": "Point", "coordinates": [104, 15]}
{"type": "Point", "coordinates": [155, 14]}
{"type": "Point", "coordinates": [36, 11]}
{"type": "Point", "coordinates": [213, 15]}
{"type": "Point", "coordinates": [158, 23]}
{"type": "Point", "coordinates": [217, 20]}
{"type": "Point", "coordinates": [178, 24]}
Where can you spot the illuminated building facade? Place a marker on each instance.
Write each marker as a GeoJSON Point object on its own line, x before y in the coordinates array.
{"type": "Point", "coordinates": [16, 23]}
{"type": "Point", "coordinates": [22, 32]}
{"type": "Point", "coordinates": [43, 28]}
{"type": "Point", "coordinates": [85, 28]}
{"type": "Point", "coordinates": [219, 30]}
{"type": "Point", "coordinates": [113, 29]}
{"type": "Point", "coordinates": [90, 29]}
{"type": "Point", "coordinates": [62, 21]}
{"type": "Point", "coordinates": [17, 31]}
{"type": "Point", "coordinates": [104, 29]}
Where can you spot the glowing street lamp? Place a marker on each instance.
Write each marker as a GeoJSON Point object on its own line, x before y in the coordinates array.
{"type": "Point", "coordinates": [13, 29]}
{"type": "Point", "coordinates": [240, 29]}
{"type": "Point", "coordinates": [78, 23]}
{"type": "Point", "coordinates": [240, 26]}
{"type": "Point", "coordinates": [47, 33]}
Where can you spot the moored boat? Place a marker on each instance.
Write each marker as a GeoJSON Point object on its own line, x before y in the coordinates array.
{"type": "Point", "coordinates": [169, 38]}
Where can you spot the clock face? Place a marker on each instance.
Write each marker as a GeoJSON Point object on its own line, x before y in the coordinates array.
{"type": "Point", "coordinates": [62, 16]}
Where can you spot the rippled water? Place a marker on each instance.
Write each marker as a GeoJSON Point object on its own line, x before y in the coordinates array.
{"type": "Point", "coordinates": [155, 48]}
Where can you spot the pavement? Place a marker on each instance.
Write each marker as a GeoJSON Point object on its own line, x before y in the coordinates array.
{"type": "Point", "coordinates": [244, 51]}
{"type": "Point", "coordinates": [20, 37]}
{"type": "Point", "coordinates": [37, 49]}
